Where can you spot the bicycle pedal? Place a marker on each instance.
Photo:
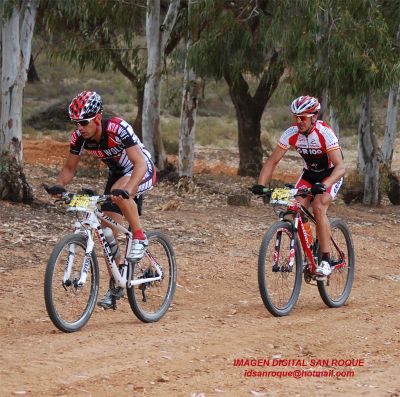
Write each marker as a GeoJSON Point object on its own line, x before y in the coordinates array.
{"type": "Point", "coordinates": [321, 278]}
{"type": "Point", "coordinates": [310, 281]}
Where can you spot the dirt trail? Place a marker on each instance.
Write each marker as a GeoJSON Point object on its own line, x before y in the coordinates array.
{"type": "Point", "coordinates": [217, 315]}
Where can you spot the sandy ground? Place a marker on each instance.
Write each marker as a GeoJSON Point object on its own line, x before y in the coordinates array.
{"type": "Point", "coordinates": [217, 315]}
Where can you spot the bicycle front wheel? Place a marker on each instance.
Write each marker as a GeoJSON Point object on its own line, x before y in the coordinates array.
{"type": "Point", "coordinates": [68, 304]}
{"type": "Point", "coordinates": [150, 301]}
{"type": "Point", "coordinates": [279, 282]}
{"type": "Point", "coordinates": [336, 289]}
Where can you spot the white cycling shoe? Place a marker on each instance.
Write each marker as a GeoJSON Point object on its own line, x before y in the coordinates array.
{"type": "Point", "coordinates": [137, 249]}
{"type": "Point", "coordinates": [324, 268]}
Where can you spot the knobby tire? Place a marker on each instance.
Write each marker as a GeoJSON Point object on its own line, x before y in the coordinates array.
{"type": "Point", "coordinates": [70, 307]}
{"type": "Point", "coordinates": [159, 294]}
{"type": "Point", "coordinates": [279, 290]}
{"type": "Point", "coordinates": [341, 279]}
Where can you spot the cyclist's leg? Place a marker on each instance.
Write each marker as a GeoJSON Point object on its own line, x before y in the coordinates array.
{"type": "Point", "coordinates": [129, 208]}
{"type": "Point", "coordinates": [320, 207]}
{"type": "Point", "coordinates": [115, 181]}
{"type": "Point", "coordinates": [303, 183]}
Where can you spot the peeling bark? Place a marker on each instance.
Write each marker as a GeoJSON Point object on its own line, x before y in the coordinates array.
{"type": "Point", "coordinates": [187, 133]}
{"type": "Point", "coordinates": [369, 154]}
{"type": "Point", "coordinates": [391, 125]}
{"type": "Point", "coordinates": [16, 38]}
{"type": "Point", "coordinates": [157, 35]}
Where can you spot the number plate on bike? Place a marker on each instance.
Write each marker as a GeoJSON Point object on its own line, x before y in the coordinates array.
{"type": "Point", "coordinates": [281, 196]}
{"type": "Point", "coordinates": [80, 203]}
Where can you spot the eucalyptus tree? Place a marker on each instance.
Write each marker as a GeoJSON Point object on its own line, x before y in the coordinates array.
{"type": "Point", "coordinates": [133, 37]}
{"type": "Point", "coordinates": [353, 57]}
{"type": "Point", "coordinates": [158, 32]}
{"type": "Point", "coordinates": [249, 44]}
{"type": "Point", "coordinates": [17, 22]}
{"type": "Point", "coordinates": [392, 16]}
{"type": "Point", "coordinates": [103, 36]}
{"type": "Point", "coordinates": [382, 61]}
{"type": "Point", "coordinates": [191, 91]}
{"type": "Point", "coordinates": [391, 125]}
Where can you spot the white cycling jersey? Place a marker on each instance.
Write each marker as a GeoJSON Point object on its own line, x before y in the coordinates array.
{"type": "Point", "coordinates": [314, 147]}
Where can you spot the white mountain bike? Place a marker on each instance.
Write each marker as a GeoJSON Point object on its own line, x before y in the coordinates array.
{"type": "Point", "coordinates": [72, 274]}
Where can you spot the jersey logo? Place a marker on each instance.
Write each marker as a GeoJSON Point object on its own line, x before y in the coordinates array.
{"type": "Point", "coordinates": [112, 127]}
{"type": "Point", "coordinates": [309, 151]}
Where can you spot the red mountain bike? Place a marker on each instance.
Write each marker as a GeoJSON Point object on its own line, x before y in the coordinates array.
{"type": "Point", "coordinates": [280, 261]}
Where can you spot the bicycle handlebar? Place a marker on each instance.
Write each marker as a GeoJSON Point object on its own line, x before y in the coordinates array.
{"type": "Point", "coordinates": [64, 196]}
{"type": "Point", "coordinates": [304, 192]}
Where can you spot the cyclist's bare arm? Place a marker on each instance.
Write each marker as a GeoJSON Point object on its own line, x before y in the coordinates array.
{"type": "Point", "coordinates": [128, 207]}
{"type": "Point", "coordinates": [69, 170]}
{"type": "Point", "coordinates": [336, 157]}
{"type": "Point", "coordinates": [137, 158]}
{"type": "Point", "coordinates": [270, 164]}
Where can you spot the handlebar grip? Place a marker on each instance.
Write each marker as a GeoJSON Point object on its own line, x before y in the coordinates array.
{"type": "Point", "coordinates": [55, 189]}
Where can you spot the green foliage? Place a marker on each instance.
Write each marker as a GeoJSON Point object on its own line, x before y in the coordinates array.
{"type": "Point", "coordinates": [350, 48]}
{"type": "Point", "coordinates": [242, 37]}
{"type": "Point", "coordinates": [96, 33]}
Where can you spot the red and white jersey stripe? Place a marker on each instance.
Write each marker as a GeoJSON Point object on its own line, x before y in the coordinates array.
{"type": "Point", "coordinates": [314, 147]}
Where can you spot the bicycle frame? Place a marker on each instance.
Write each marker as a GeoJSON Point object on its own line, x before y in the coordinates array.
{"type": "Point", "coordinates": [90, 225]}
{"type": "Point", "coordinates": [297, 209]}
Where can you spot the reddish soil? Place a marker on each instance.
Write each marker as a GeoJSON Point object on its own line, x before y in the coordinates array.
{"type": "Point", "coordinates": [217, 315]}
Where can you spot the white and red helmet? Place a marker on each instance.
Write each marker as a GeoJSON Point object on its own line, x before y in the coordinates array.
{"type": "Point", "coordinates": [305, 104]}
{"type": "Point", "coordinates": [85, 105]}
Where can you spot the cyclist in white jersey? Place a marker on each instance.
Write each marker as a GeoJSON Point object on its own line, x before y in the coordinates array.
{"type": "Point", "coordinates": [323, 169]}
{"type": "Point", "coordinates": [131, 170]}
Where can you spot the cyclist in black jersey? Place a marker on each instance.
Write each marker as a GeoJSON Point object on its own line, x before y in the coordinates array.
{"type": "Point", "coordinates": [131, 170]}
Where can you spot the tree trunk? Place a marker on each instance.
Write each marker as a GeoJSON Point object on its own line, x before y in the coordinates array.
{"type": "Point", "coordinates": [391, 125]}
{"type": "Point", "coordinates": [249, 111]}
{"type": "Point", "coordinates": [249, 140]}
{"type": "Point", "coordinates": [333, 122]}
{"type": "Point", "coordinates": [248, 114]}
{"type": "Point", "coordinates": [1, 53]}
{"type": "Point", "coordinates": [324, 101]}
{"type": "Point", "coordinates": [33, 76]}
{"type": "Point", "coordinates": [138, 82]}
{"type": "Point", "coordinates": [191, 91]}
{"type": "Point", "coordinates": [16, 37]}
{"type": "Point", "coordinates": [157, 35]}
{"type": "Point", "coordinates": [328, 113]}
{"type": "Point", "coordinates": [188, 123]}
{"type": "Point", "coordinates": [137, 124]}
{"type": "Point", "coordinates": [368, 154]}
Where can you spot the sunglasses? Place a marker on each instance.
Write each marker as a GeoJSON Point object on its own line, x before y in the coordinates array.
{"type": "Point", "coordinates": [303, 117]}
{"type": "Point", "coordinates": [83, 122]}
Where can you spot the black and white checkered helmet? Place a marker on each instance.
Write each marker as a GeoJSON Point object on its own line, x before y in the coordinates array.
{"type": "Point", "coordinates": [85, 105]}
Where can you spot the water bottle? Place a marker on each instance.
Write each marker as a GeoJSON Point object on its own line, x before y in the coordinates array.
{"type": "Point", "coordinates": [308, 230]}
{"type": "Point", "coordinates": [108, 234]}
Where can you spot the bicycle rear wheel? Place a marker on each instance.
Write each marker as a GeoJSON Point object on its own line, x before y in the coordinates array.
{"type": "Point", "coordinates": [150, 301]}
{"type": "Point", "coordinates": [336, 289]}
{"type": "Point", "coordinates": [69, 305]}
{"type": "Point", "coordinates": [279, 283]}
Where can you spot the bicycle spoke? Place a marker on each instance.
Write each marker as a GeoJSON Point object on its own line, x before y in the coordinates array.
{"type": "Point", "coordinates": [69, 304]}
{"type": "Point", "coordinates": [150, 300]}
{"type": "Point", "coordinates": [279, 272]}
{"type": "Point", "coordinates": [336, 290]}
